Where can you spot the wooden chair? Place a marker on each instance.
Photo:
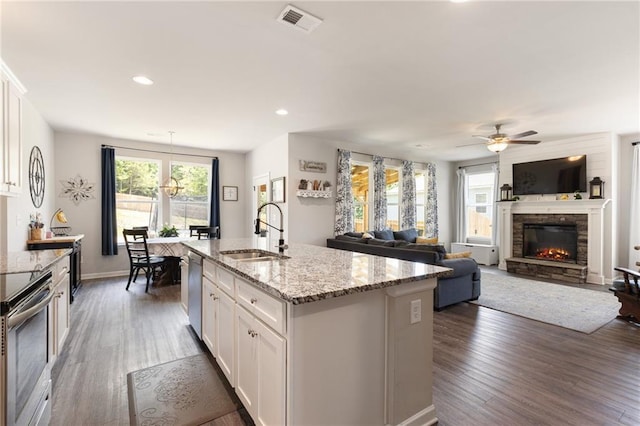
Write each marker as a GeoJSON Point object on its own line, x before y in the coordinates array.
{"type": "Point", "coordinates": [628, 293]}
{"type": "Point", "coordinates": [139, 258]}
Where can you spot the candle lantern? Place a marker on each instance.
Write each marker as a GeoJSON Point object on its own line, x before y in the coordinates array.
{"type": "Point", "coordinates": [505, 192]}
{"type": "Point", "coordinates": [596, 188]}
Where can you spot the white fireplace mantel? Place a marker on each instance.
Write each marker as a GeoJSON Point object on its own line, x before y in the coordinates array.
{"type": "Point", "coordinates": [595, 232]}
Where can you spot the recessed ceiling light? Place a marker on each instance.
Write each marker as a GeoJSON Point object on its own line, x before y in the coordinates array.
{"type": "Point", "coordinates": [141, 79]}
{"type": "Point", "coordinates": [282, 112]}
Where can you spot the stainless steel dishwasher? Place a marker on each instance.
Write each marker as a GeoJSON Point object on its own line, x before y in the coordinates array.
{"type": "Point", "coordinates": [195, 293]}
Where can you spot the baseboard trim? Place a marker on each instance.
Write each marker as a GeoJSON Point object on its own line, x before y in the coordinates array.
{"type": "Point", "coordinates": [425, 417]}
{"type": "Point", "coordinates": [99, 275]}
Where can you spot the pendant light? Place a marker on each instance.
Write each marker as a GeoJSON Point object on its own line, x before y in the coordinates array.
{"type": "Point", "coordinates": [171, 187]}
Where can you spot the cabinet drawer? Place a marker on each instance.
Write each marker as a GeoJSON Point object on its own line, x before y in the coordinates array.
{"type": "Point", "coordinates": [268, 309]}
{"type": "Point", "coordinates": [60, 269]}
{"type": "Point", "coordinates": [209, 269]}
{"type": "Point", "coordinates": [226, 282]}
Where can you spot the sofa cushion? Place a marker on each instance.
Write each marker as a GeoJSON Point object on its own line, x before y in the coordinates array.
{"type": "Point", "coordinates": [353, 234]}
{"type": "Point", "coordinates": [406, 234]}
{"type": "Point", "coordinates": [386, 234]}
{"type": "Point", "coordinates": [458, 255]}
{"type": "Point", "coordinates": [350, 238]}
{"type": "Point", "coordinates": [402, 244]}
{"type": "Point", "coordinates": [425, 240]}
{"type": "Point", "coordinates": [379, 242]}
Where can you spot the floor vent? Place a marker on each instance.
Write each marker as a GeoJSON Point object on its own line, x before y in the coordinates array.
{"type": "Point", "coordinates": [299, 19]}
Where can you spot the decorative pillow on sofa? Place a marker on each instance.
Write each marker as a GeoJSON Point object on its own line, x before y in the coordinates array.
{"type": "Point", "coordinates": [386, 234]}
{"type": "Point", "coordinates": [457, 255]}
{"type": "Point", "coordinates": [406, 234]}
{"type": "Point", "coordinates": [379, 242]}
{"type": "Point", "coordinates": [353, 234]}
{"type": "Point", "coordinates": [425, 240]}
{"type": "Point", "coordinates": [367, 235]}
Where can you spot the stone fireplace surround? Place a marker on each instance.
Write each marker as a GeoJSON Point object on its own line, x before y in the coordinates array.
{"type": "Point", "coordinates": [586, 214]}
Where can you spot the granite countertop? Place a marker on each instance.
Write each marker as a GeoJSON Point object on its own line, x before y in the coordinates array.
{"type": "Point", "coordinates": [30, 260]}
{"type": "Point", "coordinates": [314, 273]}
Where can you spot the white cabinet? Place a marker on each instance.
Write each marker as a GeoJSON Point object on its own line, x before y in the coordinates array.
{"type": "Point", "coordinates": [184, 283]}
{"type": "Point", "coordinates": [209, 313]}
{"type": "Point", "coordinates": [11, 137]}
{"type": "Point", "coordinates": [261, 366]}
{"type": "Point", "coordinates": [225, 346]}
{"type": "Point", "coordinates": [59, 319]}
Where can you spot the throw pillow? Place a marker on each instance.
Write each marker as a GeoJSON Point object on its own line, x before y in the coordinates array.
{"type": "Point", "coordinates": [457, 255]}
{"type": "Point", "coordinates": [425, 240]}
{"type": "Point", "coordinates": [367, 235]}
{"type": "Point", "coordinates": [386, 234]}
{"type": "Point", "coordinates": [353, 234]}
{"type": "Point", "coordinates": [406, 234]}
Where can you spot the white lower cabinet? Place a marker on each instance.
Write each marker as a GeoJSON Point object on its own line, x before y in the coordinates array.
{"type": "Point", "coordinates": [260, 362]}
{"type": "Point", "coordinates": [225, 346]}
{"type": "Point", "coordinates": [209, 312]}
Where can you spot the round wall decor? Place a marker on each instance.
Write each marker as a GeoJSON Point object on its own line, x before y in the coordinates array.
{"type": "Point", "coordinates": [36, 176]}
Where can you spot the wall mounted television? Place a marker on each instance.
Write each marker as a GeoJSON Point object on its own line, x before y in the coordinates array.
{"type": "Point", "coordinates": [556, 176]}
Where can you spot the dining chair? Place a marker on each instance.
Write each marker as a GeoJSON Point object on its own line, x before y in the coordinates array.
{"type": "Point", "coordinates": [207, 233]}
{"type": "Point", "coordinates": [139, 258]}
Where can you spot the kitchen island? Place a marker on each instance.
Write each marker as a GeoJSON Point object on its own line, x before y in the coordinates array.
{"type": "Point", "coordinates": [320, 336]}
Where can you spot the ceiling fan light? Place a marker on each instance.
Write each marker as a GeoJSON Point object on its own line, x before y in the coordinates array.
{"type": "Point", "coordinates": [497, 146]}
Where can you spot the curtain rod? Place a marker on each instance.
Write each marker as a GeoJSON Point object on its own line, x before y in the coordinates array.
{"type": "Point", "coordinates": [159, 152]}
{"type": "Point", "coordinates": [479, 164]}
{"type": "Point", "coordinates": [388, 158]}
{"type": "Point", "coordinates": [635, 143]}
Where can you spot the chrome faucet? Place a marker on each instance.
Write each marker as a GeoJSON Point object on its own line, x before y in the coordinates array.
{"type": "Point", "coordinates": [281, 245]}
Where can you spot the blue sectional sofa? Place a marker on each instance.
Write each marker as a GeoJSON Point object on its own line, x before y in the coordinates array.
{"type": "Point", "coordinates": [462, 286]}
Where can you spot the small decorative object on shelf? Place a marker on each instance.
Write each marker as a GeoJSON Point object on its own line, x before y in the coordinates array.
{"type": "Point", "coordinates": [36, 227]}
{"type": "Point", "coordinates": [577, 195]}
{"type": "Point", "coordinates": [596, 188]}
{"type": "Point", "coordinates": [564, 197]}
{"type": "Point", "coordinates": [505, 192]}
{"type": "Point", "coordinates": [308, 193]}
{"type": "Point", "coordinates": [60, 217]}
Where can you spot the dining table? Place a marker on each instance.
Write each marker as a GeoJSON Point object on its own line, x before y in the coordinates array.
{"type": "Point", "coordinates": [173, 249]}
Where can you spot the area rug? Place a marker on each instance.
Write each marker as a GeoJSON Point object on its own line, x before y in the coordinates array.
{"type": "Point", "coordinates": [186, 391]}
{"type": "Point", "coordinates": [569, 307]}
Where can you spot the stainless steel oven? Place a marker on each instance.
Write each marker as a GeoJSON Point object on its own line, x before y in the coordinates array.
{"type": "Point", "coordinates": [26, 373]}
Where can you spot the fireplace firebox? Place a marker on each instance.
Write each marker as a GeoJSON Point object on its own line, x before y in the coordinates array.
{"type": "Point", "coordinates": [555, 242]}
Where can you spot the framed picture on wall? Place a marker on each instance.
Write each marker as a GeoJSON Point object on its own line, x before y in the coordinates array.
{"type": "Point", "coordinates": [229, 193]}
{"type": "Point", "coordinates": [277, 190]}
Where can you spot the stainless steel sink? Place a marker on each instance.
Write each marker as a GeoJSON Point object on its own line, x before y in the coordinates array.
{"type": "Point", "coordinates": [252, 255]}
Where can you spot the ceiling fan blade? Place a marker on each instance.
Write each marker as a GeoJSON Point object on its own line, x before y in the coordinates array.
{"type": "Point", "coordinates": [524, 134]}
{"type": "Point", "coordinates": [481, 137]}
{"type": "Point", "coordinates": [524, 142]}
{"type": "Point", "coordinates": [471, 144]}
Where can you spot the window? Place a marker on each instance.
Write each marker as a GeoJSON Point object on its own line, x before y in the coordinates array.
{"type": "Point", "coordinates": [360, 183]}
{"type": "Point", "coordinates": [191, 205]}
{"type": "Point", "coordinates": [137, 201]}
{"type": "Point", "coordinates": [479, 207]}
{"type": "Point", "coordinates": [392, 181]}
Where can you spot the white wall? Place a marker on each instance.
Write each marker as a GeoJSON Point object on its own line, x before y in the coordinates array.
{"type": "Point", "coordinates": [624, 160]}
{"type": "Point", "coordinates": [269, 158]}
{"type": "Point", "coordinates": [79, 153]}
{"type": "Point", "coordinates": [16, 210]}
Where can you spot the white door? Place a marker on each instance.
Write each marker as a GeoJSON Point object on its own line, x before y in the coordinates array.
{"type": "Point", "coordinates": [209, 308]}
{"type": "Point", "coordinates": [271, 376]}
{"type": "Point", "coordinates": [246, 361]}
{"type": "Point", "coordinates": [226, 335]}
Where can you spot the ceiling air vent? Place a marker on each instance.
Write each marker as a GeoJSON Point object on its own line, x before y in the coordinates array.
{"type": "Point", "coordinates": [299, 19]}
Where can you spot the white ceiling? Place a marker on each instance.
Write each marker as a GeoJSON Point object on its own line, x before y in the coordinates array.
{"type": "Point", "coordinates": [376, 73]}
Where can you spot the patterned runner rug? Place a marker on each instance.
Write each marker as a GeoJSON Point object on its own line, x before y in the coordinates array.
{"type": "Point", "coordinates": [569, 307]}
{"type": "Point", "coordinates": [186, 391]}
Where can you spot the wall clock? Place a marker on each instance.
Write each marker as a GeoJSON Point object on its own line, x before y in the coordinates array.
{"type": "Point", "coordinates": [36, 176]}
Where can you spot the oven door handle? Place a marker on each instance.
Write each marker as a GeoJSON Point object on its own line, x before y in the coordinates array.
{"type": "Point", "coordinates": [23, 316]}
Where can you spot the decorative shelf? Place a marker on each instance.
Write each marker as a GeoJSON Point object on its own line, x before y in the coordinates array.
{"type": "Point", "coordinates": [307, 193]}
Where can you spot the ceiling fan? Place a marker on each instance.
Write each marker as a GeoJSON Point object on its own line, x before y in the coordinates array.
{"type": "Point", "coordinates": [499, 141]}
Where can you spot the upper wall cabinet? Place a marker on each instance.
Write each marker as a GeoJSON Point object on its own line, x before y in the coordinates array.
{"type": "Point", "coordinates": [11, 130]}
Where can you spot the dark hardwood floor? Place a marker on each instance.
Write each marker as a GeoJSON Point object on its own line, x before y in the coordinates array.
{"type": "Point", "coordinates": [490, 368]}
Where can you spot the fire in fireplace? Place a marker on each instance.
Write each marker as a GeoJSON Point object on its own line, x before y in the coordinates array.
{"type": "Point", "coordinates": [550, 242]}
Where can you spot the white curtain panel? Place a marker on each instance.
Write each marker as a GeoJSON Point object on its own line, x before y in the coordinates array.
{"type": "Point", "coordinates": [344, 194]}
{"type": "Point", "coordinates": [496, 193]}
{"type": "Point", "coordinates": [461, 225]}
{"type": "Point", "coordinates": [379, 194]}
{"type": "Point", "coordinates": [408, 203]}
{"type": "Point", "coordinates": [634, 213]}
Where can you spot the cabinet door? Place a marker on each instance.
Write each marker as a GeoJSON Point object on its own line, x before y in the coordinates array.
{"type": "Point", "coordinates": [61, 309]}
{"type": "Point", "coordinates": [13, 173]}
{"type": "Point", "coordinates": [209, 308]}
{"type": "Point", "coordinates": [271, 376]}
{"type": "Point", "coordinates": [246, 361]}
{"type": "Point", "coordinates": [4, 150]}
{"type": "Point", "coordinates": [226, 336]}
{"type": "Point", "coordinates": [184, 283]}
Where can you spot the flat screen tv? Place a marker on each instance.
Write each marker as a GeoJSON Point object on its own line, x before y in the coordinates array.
{"type": "Point", "coordinates": [557, 176]}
